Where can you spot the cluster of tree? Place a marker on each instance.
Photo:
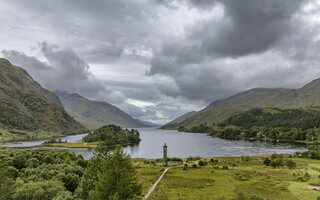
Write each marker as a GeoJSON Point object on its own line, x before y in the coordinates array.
{"type": "Point", "coordinates": [55, 140]}
{"type": "Point", "coordinates": [288, 118]}
{"type": "Point", "coordinates": [313, 151]}
{"type": "Point", "coordinates": [61, 175]}
{"type": "Point", "coordinates": [260, 133]}
{"type": "Point", "coordinates": [277, 160]}
{"type": "Point", "coordinates": [113, 135]}
{"type": "Point", "coordinates": [38, 174]}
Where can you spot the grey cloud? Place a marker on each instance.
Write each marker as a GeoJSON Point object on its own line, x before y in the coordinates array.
{"type": "Point", "coordinates": [214, 58]}
{"type": "Point", "coordinates": [64, 71]}
{"type": "Point", "coordinates": [226, 47]}
{"type": "Point", "coordinates": [254, 26]}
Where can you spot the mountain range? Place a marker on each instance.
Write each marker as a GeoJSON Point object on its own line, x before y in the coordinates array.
{"type": "Point", "coordinates": [307, 96]}
{"type": "Point", "coordinates": [29, 110]}
{"type": "Point", "coordinates": [94, 114]}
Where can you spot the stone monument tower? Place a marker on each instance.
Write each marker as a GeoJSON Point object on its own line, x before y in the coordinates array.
{"type": "Point", "coordinates": [165, 152]}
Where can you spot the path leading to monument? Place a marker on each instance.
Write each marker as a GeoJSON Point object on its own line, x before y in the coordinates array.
{"type": "Point", "coordinates": [155, 185]}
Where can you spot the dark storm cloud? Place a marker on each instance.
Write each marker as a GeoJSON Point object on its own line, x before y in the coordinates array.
{"type": "Point", "coordinates": [99, 29]}
{"type": "Point", "coordinates": [225, 54]}
{"type": "Point", "coordinates": [252, 26]}
{"type": "Point", "coordinates": [191, 51]}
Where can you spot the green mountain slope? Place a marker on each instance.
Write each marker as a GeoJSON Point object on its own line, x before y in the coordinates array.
{"type": "Point", "coordinates": [304, 118]}
{"type": "Point", "coordinates": [94, 114]}
{"type": "Point", "coordinates": [27, 109]}
{"type": "Point", "coordinates": [306, 96]}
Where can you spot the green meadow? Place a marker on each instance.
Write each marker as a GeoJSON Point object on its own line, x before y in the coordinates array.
{"type": "Point", "coordinates": [234, 178]}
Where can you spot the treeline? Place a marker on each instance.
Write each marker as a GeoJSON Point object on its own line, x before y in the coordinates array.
{"type": "Point", "coordinates": [113, 135]}
{"type": "Point", "coordinates": [258, 133]}
{"type": "Point", "coordinates": [289, 118]}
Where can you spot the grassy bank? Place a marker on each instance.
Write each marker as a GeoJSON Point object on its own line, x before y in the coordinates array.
{"type": "Point", "coordinates": [244, 179]}
{"type": "Point", "coordinates": [73, 145]}
{"type": "Point", "coordinates": [79, 145]}
{"type": "Point", "coordinates": [21, 135]}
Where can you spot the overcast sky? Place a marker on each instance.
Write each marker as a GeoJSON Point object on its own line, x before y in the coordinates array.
{"type": "Point", "coordinates": [158, 59]}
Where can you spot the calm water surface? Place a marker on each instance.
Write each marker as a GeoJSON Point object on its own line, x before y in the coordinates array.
{"type": "Point", "coordinates": [180, 144]}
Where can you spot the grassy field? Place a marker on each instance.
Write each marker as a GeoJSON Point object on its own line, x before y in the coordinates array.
{"type": "Point", "coordinates": [73, 145]}
{"type": "Point", "coordinates": [147, 174]}
{"type": "Point", "coordinates": [244, 180]}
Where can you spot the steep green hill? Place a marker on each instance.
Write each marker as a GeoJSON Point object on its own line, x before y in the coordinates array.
{"type": "Point", "coordinates": [306, 96]}
{"type": "Point", "coordinates": [94, 114]}
{"type": "Point", "coordinates": [27, 109]}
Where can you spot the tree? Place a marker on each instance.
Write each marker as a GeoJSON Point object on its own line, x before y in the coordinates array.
{"type": "Point", "coordinates": [38, 190]}
{"type": "Point", "coordinates": [278, 162]}
{"type": "Point", "coordinates": [291, 164]}
{"type": "Point", "coordinates": [267, 161]}
{"type": "Point", "coordinates": [116, 178]}
{"type": "Point", "coordinates": [71, 181]}
{"type": "Point", "coordinates": [6, 183]}
{"type": "Point", "coordinates": [64, 195]}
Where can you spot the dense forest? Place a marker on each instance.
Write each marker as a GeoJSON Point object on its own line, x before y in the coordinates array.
{"type": "Point", "coordinates": [113, 135]}
{"type": "Point", "coordinates": [37, 174]}
{"type": "Point", "coordinates": [61, 175]}
{"type": "Point", "coordinates": [289, 118]}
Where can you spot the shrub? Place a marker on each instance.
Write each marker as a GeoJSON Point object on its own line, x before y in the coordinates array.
{"type": "Point", "coordinates": [225, 167]}
{"type": "Point", "coordinates": [175, 159]}
{"type": "Point", "coordinates": [202, 163]}
{"type": "Point", "coordinates": [194, 165]}
{"type": "Point", "coordinates": [278, 162]}
{"type": "Point", "coordinates": [193, 158]}
{"type": "Point", "coordinates": [290, 164]}
{"type": "Point", "coordinates": [267, 161]}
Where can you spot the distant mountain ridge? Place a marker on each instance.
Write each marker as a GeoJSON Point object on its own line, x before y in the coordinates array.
{"type": "Point", "coordinates": [27, 109]}
{"type": "Point", "coordinates": [94, 114]}
{"type": "Point", "coordinates": [307, 96]}
{"type": "Point", "coordinates": [147, 123]}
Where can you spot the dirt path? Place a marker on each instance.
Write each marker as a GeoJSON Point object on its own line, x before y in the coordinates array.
{"type": "Point", "coordinates": [155, 185]}
{"type": "Point", "coordinates": [314, 187]}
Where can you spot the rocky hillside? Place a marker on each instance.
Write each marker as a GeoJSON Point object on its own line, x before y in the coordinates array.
{"type": "Point", "coordinates": [94, 114]}
{"type": "Point", "coordinates": [217, 111]}
{"type": "Point", "coordinates": [27, 109]}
